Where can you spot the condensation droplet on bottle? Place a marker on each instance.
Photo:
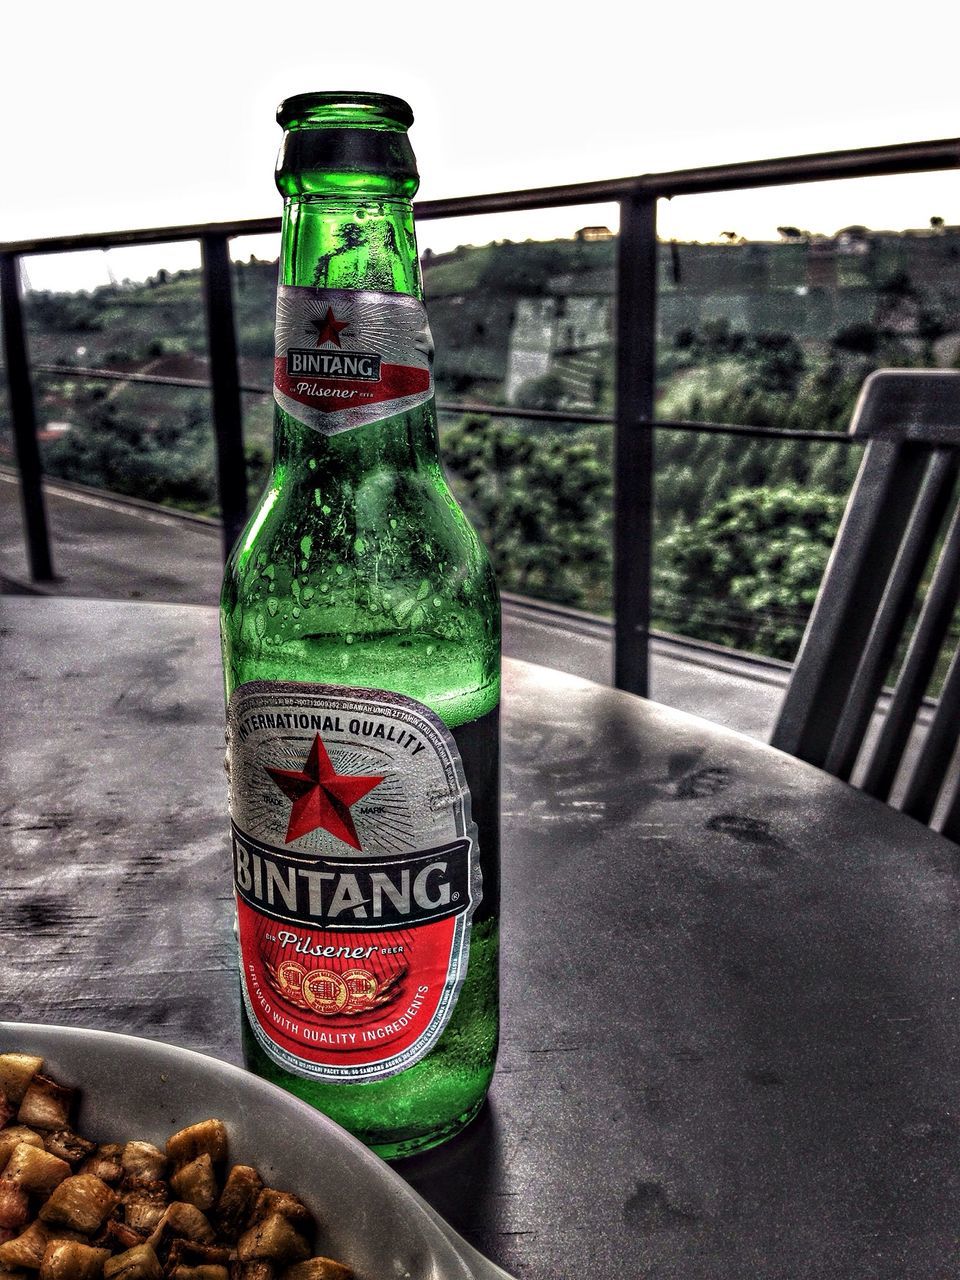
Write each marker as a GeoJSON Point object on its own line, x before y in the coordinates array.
{"type": "Point", "coordinates": [272, 606]}
{"type": "Point", "coordinates": [393, 524]}
{"type": "Point", "coordinates": [349, 639]}
{"type": "Point", "coordinates": [324, 588]}
{"type": "Point", "coordinates": [307, 595]}
{"type": "Point", "coordinates": [316, 497]}
{"type": "Point", "coordinates": [312, 464]}
{"type": "Point", "coordinates": [437, 602]}
{"type": "Point", "coordinates": [295, 611]}
{"type": "Point", "coordinates": [359, 546]}
{"type": "Point", "coordinates": [325, 509]}
{"type": "Point", "coordinates": [306, 546]}
{"type": "Point", "coordinates": [260, 623]}
{"type": "Point", "coordinates": [338, 568]}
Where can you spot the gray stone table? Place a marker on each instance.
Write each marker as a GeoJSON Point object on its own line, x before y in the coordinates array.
{"type": "Point", "coordinates": [730, 1010]}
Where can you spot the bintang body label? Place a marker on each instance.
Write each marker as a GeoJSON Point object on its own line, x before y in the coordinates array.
{"type": "Point", "coordinates": [347, 357]}
{"type": "Point", "coordinates": [357, 874]}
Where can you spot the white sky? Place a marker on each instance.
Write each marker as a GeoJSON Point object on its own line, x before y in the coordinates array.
{"type": "Point", "coordinates": [116, 115]}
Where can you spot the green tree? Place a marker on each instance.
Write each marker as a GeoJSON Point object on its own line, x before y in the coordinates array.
{"type": "Point", "coordinates": [542, 502]}
{"type": "Point", "coordinates": [545, 392]}
{"type": "Point", "coordinates": [747, 572]}
{"type": "Point", "coordinates": [112, 448]}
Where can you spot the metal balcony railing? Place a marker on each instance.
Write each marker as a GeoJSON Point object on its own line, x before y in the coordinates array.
{"type": "Point", "coordinates": [636, 291]}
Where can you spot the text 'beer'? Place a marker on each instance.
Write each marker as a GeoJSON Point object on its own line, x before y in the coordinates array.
{"type": "Point", "coordinates": [361, 648]}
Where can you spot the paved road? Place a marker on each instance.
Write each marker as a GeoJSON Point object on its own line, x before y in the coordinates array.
{"type": "Point", "coordinates": [120, 549]}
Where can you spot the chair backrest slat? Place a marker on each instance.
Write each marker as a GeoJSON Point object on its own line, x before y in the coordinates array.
{"type": "Point", "coordinates": [906, 489]}
{"type": "Point", "coordinates": [893, 612]}
{"type": "Point", "coordinates": [939, 743]}
{"type": "Point", "coordinates": [950, 826]}
{"type": "Point", "coordinates": [918, 667]}
{"type": "Point", "coordinates": [854, 582]}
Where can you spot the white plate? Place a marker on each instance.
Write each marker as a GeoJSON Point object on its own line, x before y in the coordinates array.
{"type": "Point", "coordinates": [368, 1216]}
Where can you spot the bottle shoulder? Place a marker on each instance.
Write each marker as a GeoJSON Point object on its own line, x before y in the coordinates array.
{"type": "Point", "coordinates": [380, 583]}
{"type": "Point", "coordinates": [384, 526]}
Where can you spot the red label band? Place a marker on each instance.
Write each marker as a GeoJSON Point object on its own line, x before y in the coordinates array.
{"type": "Point", "coordinates": [329, 395]}
{"type": "Point", "coordinates": [347, 999]}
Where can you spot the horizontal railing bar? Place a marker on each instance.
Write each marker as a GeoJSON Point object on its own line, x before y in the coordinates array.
{"type": "Point", "coordinates": [146, 379]}
{"type": "Point", "coordinates": [143, 235]}
{"type": "Point", "coordinates": [532, 415]}
{"type": "Point", "coordinates": [670, 424]}
{"type": "Point", "coordinates": [491, 410]}
{"type": "Point", "coordinates": [910, 157]}
{"type": "Point", "coordinates": [742, 429]}
{"type": "Point", "coordinates": [864, 162]}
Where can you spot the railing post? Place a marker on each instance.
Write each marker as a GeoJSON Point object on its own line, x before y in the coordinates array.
{"type": "Point", "coordinates": [633, 440]}
{"type": "Point", "coordinates": [24, 422]}
{"type": "Point", "coordinates": [227, 411]}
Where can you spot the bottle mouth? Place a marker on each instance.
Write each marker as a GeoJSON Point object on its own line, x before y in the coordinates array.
{"type": "Point", "coordinates": [339, 109]}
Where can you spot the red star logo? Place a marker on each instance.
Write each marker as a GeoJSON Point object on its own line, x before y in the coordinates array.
{"type": "Point", "coordinates": [329, 328]}
{"type": "Point", "coordinates": [322, 797]}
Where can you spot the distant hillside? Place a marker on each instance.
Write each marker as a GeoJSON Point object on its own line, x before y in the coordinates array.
{"type": "Point", "coordinates": [764, 334]}
{"type": "Point", "coordinates": [532, 323]}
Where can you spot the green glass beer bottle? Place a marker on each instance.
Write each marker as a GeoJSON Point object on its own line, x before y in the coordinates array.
{"type": "Point", "coordinates": [360, 625]}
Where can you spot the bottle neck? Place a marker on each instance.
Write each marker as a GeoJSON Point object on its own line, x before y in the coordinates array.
{"type": "Point", "coordinates": [341, 242]}
{"type": "Point", "coordinates": [357, 242]}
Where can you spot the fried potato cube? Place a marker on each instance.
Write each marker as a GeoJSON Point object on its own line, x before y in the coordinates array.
{"type": "Point", "coordinates": [105, 1162]}
{"type": "Point", "coordinates": [69, 1260]}
{"type": "Point", "coordinates": [14, 1206]}
{"type": "Point", "coordinates": [204, 1271]}
{"type": "Point", "coordinates": [12, 1137]}
{"type": "Point", "coordinates": [194, 1253]}
{"type": "Point", "coordinates": [16, 1072]}
{"type": "Point", "coordinates": [27, 1249]}
{"type": "Point", "coordinates": [138, 1263]}
{"type": "Point", "coordinates": [79, 1203]}
{"type": "Point", "coordinates": [8, 1109]}
{"type": "Point", "coordinates": [144, 1205]}
{"type": "Point", "coordinates": [46, 1104]}
{"type": "Point", "coordinates": [209, 1137]}
{"type": "Point", "coordinates": [68, 1145]}
{"type": "Point", "coordinates": [237, 1200]}
{"type": "Point", "coordinates": [317, 1269]}
{"type": "Point", "coordinates": [142, 1162]}
{"type": "Point", "coordinates": [34, 1169]}
{"type": "Point", "coordinates": [196, 1183]}
{"type": "Point", "coordinates": [184, 1220]}
{"type": "Point", "coordinates": [274, 1239]}
{"type": "Point", "coordinates": [271, 1201]}
{"type": "Point", "coordinates": [188, 1221]}
{"type": "Point", "coordinates": [117, 1236]}
{"type": "Point", "coordinates": [256, 1270]}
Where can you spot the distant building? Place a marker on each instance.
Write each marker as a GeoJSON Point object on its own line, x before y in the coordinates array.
{"type": "Point", "coordinates": [53, 431]}
{"type": "Point", "coordinates": [566, 333]}
{"type": "Point", "coordinates": [592, 234]}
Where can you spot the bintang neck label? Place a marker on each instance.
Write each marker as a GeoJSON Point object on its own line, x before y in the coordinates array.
{"type": "Point", "coordinates": [357, 874]}
{"type": "Point", "coordinates": [348, 357]}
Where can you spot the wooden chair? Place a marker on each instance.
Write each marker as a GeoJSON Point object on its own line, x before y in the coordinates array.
{"type": "Point", "coordinates": [902, 506]}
